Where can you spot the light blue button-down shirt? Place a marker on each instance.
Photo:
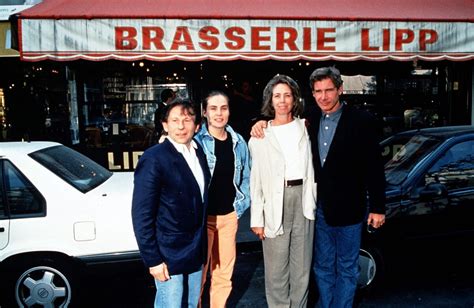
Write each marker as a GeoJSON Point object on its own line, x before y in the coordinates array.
{"type": "Point", "coordinates": [327, 128]}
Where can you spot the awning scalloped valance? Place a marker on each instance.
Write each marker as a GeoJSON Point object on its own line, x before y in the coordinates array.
{"type": "Point", "coordinates": [58, 33]}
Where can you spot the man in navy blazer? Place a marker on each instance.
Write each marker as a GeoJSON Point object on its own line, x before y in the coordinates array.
{"type": "Point", "coordinates": [351, 186]}
{"type": "Point", "coordinates": [169, 209]}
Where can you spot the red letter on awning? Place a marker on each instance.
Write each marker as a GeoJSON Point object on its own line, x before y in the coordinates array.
{"type": "Point", "coordinates": [156, 39]}
{"type": "Point", "coordinates": [182, 38]}
{"type": "Point", "coordinates": [125, 38]}
{"type": "Point", "coordinates": [403, 36]}
{"type": "Point", "coordinates": [322, 39]}
{"type": "Point", "coordinates": [289, 39]}
{"type": "Point", "coordinates": [238, 41]}
{"type": "Point", "coordinates": [365, 44]}
{"type": "Point", "coordinates": [257, 38]}
{"type": "Point", "coordinates": [427, 36]}
{"type": "Point", "coordinates": [206, 34]}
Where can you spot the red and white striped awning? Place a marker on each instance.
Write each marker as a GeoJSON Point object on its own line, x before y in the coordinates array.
{"type": "Point", "coordinates": [225, 30]}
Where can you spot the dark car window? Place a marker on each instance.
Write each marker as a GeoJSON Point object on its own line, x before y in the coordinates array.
{"type": "Point", "coordinates": [22, 197]}
{"type": "Point", "coordinates": [406, 154]}
{"type": "Point", "coordinates": [455, 168]}
{"type": "Point", "coordinates": [76, 169]}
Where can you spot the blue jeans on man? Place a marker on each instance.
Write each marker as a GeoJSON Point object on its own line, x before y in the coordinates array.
{"type": "Point", "coordinates": [336, 256]}
{"type": "Point", "coordinates": [180, 291]}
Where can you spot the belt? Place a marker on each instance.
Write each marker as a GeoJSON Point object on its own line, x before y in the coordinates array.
{"type": "Point", "coordinates": [289, 183]}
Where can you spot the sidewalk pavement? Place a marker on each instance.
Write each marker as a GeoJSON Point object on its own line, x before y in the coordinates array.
{"type": "Point", "coordinates": [411, 284]}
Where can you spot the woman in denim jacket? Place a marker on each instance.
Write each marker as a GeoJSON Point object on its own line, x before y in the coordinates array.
{"type": "Point", "coordinates": [229, 193]}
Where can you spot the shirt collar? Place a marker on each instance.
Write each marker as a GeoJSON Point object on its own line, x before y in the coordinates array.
{"type": "Point", "coordinates": [335, 115]}
{"type": "Point", "coordinates": [181, 148]}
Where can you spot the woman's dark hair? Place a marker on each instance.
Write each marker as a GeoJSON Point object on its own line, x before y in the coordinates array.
{"type": "Point", "coordinates": [212, 94]}
{"type": "Point", "coordinates": [186, 106]}
{"type": "Point", "coordinates": [326, 72]}
{"type": "Point", "coordinates": [267, 106]}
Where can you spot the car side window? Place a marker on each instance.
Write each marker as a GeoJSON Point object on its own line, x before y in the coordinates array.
{"type": "Point", "coordinates": [455, 168]}
{"type": "Point", "coordinates": [22, 198]}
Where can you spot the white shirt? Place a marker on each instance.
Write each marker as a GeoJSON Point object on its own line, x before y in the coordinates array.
{"type": "Point", "coordinates": [192, 161]}
{"type": "Point", "coordinates": [285, 135]}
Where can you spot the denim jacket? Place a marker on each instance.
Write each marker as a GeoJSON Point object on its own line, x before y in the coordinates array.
{"type": "Point", "coordinates": [241, 164]}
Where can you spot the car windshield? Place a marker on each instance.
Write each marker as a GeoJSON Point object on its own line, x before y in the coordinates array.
{"type": "Point", "coordinates": [407, 151]}
{"type": "Point", "coordinates": [76, 169]}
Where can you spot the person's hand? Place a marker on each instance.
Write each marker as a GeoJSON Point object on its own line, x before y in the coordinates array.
{"type": "Point", "coordinates": [160, 272]}
{"type": "Point", "coordinates": [376, 220]}
{"type": "Point", "coordinates": [258, 231]}
{"type": "Point", "coordinates": [257, 129]}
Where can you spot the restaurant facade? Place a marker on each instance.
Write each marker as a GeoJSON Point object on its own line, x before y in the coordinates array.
{"type": "Point", "coordinates": [90, 74]}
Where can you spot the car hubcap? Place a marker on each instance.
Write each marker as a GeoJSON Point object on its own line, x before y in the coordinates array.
{"type": "Point", "coordinates": [44, 286]}
{"type": "Point", "coordinates": [367, 268]}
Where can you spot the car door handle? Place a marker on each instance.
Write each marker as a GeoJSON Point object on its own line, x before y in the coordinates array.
{"type": "Point", "coordinates": [2, 229]}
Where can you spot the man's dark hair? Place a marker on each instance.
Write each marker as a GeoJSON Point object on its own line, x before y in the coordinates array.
{"type": "Point", "coordinates": [166, 94]}
{"type": "Point", "coordinates": [186, 106]}
{"type": "Point", "coordinates": [321, 73]}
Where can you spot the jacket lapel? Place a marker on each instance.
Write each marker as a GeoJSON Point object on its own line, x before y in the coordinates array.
{"type": "Point", "coordinates": [205, 169]}
{"type": "Point", "coordinates": [181, 166]}
{"type": "Point", "coordinates": [339, 134]}
{"type": "Point", "coordinates": [317, 122]}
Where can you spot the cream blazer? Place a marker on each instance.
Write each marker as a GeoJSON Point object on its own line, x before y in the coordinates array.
{"type": "Point", "coordinates": [267, 177]}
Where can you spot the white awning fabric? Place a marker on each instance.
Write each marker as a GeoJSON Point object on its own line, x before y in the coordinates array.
{"type": "Point", "coordinates": [54, 30]}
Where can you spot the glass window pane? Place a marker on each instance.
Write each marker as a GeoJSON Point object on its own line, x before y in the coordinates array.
{"type": "Point", "coordinates": [455, 168]}
{"type": "Point", "coordinates": [76, 169]}
{"type": "Point", "coordinates": [22, 197]}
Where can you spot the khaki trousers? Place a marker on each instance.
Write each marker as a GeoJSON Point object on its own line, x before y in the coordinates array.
{"type": "Point", "coordinates": [221, 248]}
{"type": "Point", "coordinates": [287, 258]}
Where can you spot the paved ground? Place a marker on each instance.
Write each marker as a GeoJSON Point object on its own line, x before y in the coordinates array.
{"type": "Point", "coordinates": [438, 278]}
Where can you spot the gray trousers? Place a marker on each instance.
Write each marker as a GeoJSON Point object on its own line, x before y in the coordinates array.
{"type": "Point", "coordinates": [287, 258]}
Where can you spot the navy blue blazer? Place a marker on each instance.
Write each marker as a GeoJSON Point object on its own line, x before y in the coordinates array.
{"type": "Point", "coordinates": [168, 213]}
{"type": "Point", "coordinates": [352, 177]}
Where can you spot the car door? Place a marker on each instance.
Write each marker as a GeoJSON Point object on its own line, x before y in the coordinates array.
{"type": "Point", "coordinates": [4, 219]}
{"type": "Point", "coordinates": [458, 178]}
{"type": "Point", "coordinates": [442, 201]}
{"type": "Point", "coordinates": [20, 199]}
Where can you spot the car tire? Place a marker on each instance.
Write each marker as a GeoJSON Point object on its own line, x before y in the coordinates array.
{"type": "Point", "coordinates": [42, 281]}
{"type": "Point", "coordinates": [371, 268]}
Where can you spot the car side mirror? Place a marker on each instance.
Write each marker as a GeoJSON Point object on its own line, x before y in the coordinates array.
{"type": "Point", "coordinates": [433, 190]}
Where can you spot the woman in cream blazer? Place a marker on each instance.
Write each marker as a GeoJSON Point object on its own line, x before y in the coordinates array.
{"type": "Point", "coordinates": [283, 195]}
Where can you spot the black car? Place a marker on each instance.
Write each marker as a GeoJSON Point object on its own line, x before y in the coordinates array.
{"type": "Point", "coordinates": [430, 196]}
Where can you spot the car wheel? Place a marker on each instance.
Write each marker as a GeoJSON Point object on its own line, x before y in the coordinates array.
{"type": "Point", "coordinates": [371, 268]}
{"type": "Point", "coordinates": [43, 283]}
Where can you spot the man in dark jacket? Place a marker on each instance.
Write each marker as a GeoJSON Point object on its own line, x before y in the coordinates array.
{"type": "Point", "coordinates": [169, 209]}
{"type": "Point", "coordinates": [351, 183]}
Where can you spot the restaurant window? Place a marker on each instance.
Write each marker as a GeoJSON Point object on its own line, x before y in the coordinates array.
{"type": "Point", "coordinates": [129, 121]}
{"type": "Point", "coordinates": [118, 110]}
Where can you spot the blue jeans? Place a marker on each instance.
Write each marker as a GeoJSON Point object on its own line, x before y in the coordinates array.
{"type": "Point", "coordinates": [336, 256]}
{"type": "Point", "coordinates": [180, 291]}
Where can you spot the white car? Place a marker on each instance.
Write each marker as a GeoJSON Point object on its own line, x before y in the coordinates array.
{"type": "Point", "coordinates": [59, 211]}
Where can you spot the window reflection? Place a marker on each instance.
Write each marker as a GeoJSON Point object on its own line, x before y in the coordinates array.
{"type": "Point", "coordinates": [129, 123]}
{"type": "Point", "coordinates": [455, 168]}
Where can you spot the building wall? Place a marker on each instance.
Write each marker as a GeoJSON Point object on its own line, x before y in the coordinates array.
{"type": "Point", "coordinates": [56, 94]}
